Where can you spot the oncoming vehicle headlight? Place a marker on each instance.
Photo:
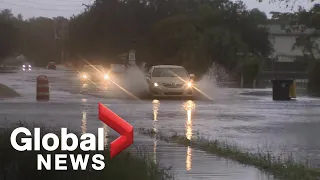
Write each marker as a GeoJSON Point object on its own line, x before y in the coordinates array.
{"type": "Point", "coordinates": [155, 84]}
{"type": "Point", "coordinates": [189, 84]}
{"type": "Point", "coordinates": [106, 76]}
{"type": "Point", "coordinates": [84, 76]}
{"type": "Point", "coordinates": [24, 66]}
{"type": "Point", "coordinates": [29, 66]}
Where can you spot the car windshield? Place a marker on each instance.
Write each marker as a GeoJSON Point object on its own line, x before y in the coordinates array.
{"type": "Point", "coordinates": [169, 72]}
{"type": "Point", "coordinates": [93, 69]}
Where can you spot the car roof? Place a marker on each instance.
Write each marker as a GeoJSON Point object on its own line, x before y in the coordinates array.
{"type": "Point", "coordinates": [168, 66]}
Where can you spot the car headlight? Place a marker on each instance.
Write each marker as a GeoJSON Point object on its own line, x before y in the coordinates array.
{"type": "Point", "coordinates": [84, 76]}
{"type": "Point", "coordinates": [106, 76]}
{"type": "Point", "coordinates": [24, 66]}
{"type": "Point", "coordinates": [189, 84]}
{"type": "Point", "coordinates": [29, 66]}
{"type": "Point", "coordinates": [155, 84]}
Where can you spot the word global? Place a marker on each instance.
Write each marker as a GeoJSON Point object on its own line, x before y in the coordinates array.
{"type": "Point", "coordinates": [69, 142]}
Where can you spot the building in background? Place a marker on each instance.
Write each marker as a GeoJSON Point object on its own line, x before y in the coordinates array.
{"type": "Point", "coordinates": [288, 61]}
{"type": "Point", "coordinates": [283, 42]}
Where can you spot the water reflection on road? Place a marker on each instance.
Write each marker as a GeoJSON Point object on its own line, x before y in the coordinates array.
{"type": "Point", "coordinates": [189, 106]}
{"type": "Point", "coordinates": [84, 119]}
{"type": "Point", "coordinates": [84, 122]}
{"type": "Point", "coordinates": [106, 130]}
{"type": "Point", "coordinates": [156, 105]}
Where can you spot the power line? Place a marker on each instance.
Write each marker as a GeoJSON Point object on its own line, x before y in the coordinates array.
{"type": "Point", "coordinates": [37, 8]}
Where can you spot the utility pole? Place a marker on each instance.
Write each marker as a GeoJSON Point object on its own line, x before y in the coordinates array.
{"type": "Point", "coordinates": [61, 26]}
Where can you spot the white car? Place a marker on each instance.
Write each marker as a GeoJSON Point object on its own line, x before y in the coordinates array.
{"type": "Point", "coordinates": [170, 80]}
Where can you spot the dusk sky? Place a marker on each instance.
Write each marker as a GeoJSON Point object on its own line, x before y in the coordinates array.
{"type": "Point", "coordinates": [66, 8]}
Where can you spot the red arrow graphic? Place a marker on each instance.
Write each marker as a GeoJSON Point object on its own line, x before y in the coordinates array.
{"type": "Point", "coordinates": [120, 126]}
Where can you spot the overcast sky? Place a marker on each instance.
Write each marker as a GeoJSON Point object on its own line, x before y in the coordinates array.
{"type": "Point", "coordinates": [67, 8]}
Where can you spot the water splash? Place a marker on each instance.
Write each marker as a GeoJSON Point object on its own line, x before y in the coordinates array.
{"type": "Point", "coordinates": [208, 84]}
{"type": "Point", "coordinates": [135, 81]}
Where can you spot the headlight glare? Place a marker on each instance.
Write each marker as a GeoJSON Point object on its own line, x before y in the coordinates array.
{"type": "Point", "coordinates": [106, 76]}
{"type": "Point", "coordinates": [84, 76]}
{"type": "Point", "coordinates": [189, 84]}
{"type": "Point", "coordinates": [155, 84]}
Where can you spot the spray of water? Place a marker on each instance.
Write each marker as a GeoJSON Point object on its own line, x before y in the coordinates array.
{"type": "Point", "coordinates": [135, 81]}
{"type": "Point", "coordinates": [208, 84]}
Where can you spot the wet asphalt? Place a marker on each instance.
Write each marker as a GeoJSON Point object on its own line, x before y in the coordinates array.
{"type": "Point", "coordinates": [251, 121]}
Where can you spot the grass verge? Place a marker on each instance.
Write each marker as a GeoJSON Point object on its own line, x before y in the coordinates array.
{"type": "Point", "coordinates": [286, 169]}
{"type": "Point", "coordinates": [6, 92]}
{"type": "Point", "coordinates": [23, 165]}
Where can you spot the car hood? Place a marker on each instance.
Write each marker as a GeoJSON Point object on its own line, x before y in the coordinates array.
{"type": "Point", "coordinates": [169, 80]}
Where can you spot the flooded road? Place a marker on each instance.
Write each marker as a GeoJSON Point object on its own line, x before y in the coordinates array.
{"type": "Point", "coordinates": [249, 121]}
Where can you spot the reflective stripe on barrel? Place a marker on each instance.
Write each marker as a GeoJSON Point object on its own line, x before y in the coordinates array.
{"type": "Point", "coordinates": [43, 88]}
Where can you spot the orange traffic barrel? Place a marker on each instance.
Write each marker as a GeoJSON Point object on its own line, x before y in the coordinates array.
{"type": "Point", "coordinates": [43, 88]}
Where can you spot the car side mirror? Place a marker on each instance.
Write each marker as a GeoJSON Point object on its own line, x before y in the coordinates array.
{"type": "Point", "coordinates": [192, 76]}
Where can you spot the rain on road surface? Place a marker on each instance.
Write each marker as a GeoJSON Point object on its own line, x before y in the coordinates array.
{"type": "Point", "coordinates": [248, 121]}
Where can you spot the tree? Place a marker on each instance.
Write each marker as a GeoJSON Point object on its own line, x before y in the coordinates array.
{"type": "Point", "coordinates": [288, 3]}
{"type": "Point", "coordinates": [38, 40]}
{"type": "Point", "coordinates": [258, 17]}
{"type": "Point", "coordinates": [8, 35]}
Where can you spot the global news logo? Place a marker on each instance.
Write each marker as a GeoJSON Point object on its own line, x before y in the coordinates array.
{"type": "Point", "coordinates": [69, 143]}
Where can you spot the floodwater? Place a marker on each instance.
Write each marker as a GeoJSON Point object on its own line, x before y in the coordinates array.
{"type": "Point", "coordinates": [249, 121]}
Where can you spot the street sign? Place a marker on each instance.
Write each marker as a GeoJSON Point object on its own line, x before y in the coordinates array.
{"type": "Point", "coordinates": [120, 126]}
{"type": "Point", "coordinates": [132, 57]}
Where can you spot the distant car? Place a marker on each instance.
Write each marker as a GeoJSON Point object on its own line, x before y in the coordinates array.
{"type": "Point", "coordinates": [94, 73]}
{"type": "Point", "coordinates": [170, 80]}
{"type": "Point", "coordinates": [26, 67]}
{"type": "Point", "coordinates": [52, 65]}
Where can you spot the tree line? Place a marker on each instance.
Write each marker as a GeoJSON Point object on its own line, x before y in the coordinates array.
{"type": "Point", "coordinates": [193, 33]}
